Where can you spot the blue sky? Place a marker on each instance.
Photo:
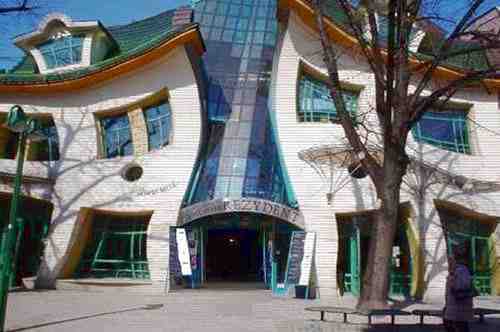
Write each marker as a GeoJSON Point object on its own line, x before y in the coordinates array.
{"type": "Point", "coordinates": [109, 12]}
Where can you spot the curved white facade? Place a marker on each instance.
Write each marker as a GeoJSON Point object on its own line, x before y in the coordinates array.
{"type": "Point", "coordinates": [82, 180]}
{"type": "Point", "coordinates": [300, 44]}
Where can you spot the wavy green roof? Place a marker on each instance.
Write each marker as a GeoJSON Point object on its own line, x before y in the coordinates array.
{"type": "Point", "coordinates": [477, 60]}
{"type": "Point", "coordinates": [133, 40]}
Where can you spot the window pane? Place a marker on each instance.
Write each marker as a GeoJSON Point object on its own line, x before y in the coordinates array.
{"type": "Point", "coordinates": [158, 120]}
{"type": "Point", "coordinates": [117, 137]}
{"type": "Point", "coordinates": [444, 129]}
{"type": "Point", "coordinates": [61, 52]}
{"type": "Point", "coordinates": [315, 103]}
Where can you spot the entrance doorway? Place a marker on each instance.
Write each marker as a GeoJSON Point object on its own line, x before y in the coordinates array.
{"type": "Point", "coordinates": [33, 224]}
{"type": "Point", "coordinates": [478, 235]}
{"type": "Point", "coordinates": [233, 255]}
{"type": "Point", "coordinates": [241, 250]}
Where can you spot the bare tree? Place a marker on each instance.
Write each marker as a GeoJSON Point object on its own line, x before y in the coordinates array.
{"type": "Point", "coordinates": [403, 93]}
{"type": "Point", "coordinates": [9, 7]}
{"type": "Point", "coordinates": [15, 13]}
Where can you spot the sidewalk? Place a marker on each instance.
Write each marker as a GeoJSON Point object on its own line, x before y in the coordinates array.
{"type": "Point", "coordinates": [207, 310]}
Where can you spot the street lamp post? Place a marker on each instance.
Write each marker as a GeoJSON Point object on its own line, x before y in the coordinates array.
{"type": "Point", "coordinates": [26, 128]}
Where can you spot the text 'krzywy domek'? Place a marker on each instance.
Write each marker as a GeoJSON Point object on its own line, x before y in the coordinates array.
{"type": "Point", "coordinates": [201, 145]}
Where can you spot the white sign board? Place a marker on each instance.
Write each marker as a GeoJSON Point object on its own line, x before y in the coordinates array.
{"type": "Point", "coordinates": [306, 265]}
{"type": "Point", "coordinates": [183, 249]}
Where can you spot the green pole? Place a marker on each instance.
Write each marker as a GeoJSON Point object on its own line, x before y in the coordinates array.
{"type": "Point", "coordinates": [19, 234]}
{"type": "Point", "coordinates": [9, 233]}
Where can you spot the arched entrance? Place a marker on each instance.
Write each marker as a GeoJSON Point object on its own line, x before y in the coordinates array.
{"type": "Point", "coordinates": [240, 250]}
{"type": "Point", "coordinates": [478, 232]}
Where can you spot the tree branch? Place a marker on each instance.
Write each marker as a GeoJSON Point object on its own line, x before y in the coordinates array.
{"type": "Point", "coordinates": [437, 60]}
{"type": "Point", "coordinates": [22, 7]}
{"type": "Point", "coordinates": [330, 59]}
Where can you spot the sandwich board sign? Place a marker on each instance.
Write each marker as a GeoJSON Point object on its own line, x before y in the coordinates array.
{"type": "Point", "coordinates": [183, 249]}
{"type": "Point", "coordinates": [307, 259]}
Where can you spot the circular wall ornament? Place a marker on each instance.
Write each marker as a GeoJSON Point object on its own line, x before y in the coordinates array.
{"type": "Point", "coordinates": [132, 172]}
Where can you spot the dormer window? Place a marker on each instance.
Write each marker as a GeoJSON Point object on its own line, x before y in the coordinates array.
{"type": "Point", "coordinates": [62, 51]}
{"type": "Point", "coordinates": [61, 44]}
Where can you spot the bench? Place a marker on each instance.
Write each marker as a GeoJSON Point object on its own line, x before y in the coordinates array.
{"type": "Point", "coordinates": [384, 312]}
{"type": "Point", "coordinates": [430, 312]}
{"type": "Point", "coordinates": [481, 312]}
{"type": "Point", "coordinates": [369, 313]}
{"type": "Point", "coordinates": [335, 310]}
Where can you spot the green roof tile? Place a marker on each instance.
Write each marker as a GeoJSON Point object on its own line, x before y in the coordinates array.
{"type": "Point", "coordinates": [131, 35]}
{"type": "Point", "coordinates": [476, 60]}
{"type": "Point", "coordinates": [473, 60]}
{"type": "Point", "coordinates": [133, 40]}
{"type": "Point", "coordinates": [26, 65]}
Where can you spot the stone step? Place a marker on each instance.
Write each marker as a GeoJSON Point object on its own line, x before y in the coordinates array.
{"type": "Point", "coordinates": [108, 285]}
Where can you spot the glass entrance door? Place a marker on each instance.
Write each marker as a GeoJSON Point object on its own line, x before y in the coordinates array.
{"type": "Point", "coordinates": [353, 281]}
{"type": "Point", "coordinates": [481, 264]}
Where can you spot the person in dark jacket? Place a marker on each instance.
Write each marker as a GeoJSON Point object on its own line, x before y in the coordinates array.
{"type": "Point", "coordinates": [459, 292]}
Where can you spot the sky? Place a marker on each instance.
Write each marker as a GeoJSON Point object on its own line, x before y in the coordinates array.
{"type": "Point", "coordinates": [115, 12]}
{"type": "Point", "coordinates": [109, 12]}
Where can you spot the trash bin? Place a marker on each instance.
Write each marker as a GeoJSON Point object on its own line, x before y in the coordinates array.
{"type": "Point", "coordinates": [300, 292]}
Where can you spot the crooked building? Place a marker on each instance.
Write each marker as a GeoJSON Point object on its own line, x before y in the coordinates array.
{"type": "Point", "coordinates": [215, 121]}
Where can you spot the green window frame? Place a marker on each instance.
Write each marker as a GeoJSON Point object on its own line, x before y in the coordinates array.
{"type": "Point", "coordinates": [61, 52]}
{"type": "Point", "coordinates": [315, 103]}
{"type": "Point", "coordinates": [447, 129]}
{"type": "Point", "coordinates": [117, 248]}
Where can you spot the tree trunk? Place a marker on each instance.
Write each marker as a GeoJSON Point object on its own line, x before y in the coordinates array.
{"type": "Point", "coordinates": [384, 225]}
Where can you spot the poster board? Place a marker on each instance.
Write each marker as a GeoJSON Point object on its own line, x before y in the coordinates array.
{"type": "Point", "coordinates": [175, 266]}
{"type": "Point", "coordinates": [307, 259]}
{"type": "Point", "coordinates": [183, 249]}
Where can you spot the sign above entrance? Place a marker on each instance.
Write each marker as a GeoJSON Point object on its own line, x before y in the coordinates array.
{"type": "Point", "coordinates": [253, 205]}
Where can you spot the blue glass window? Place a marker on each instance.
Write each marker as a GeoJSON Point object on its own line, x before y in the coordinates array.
{"type": "Point", "coordinates": [159, 122]}
{"type": "Point", "coordinates": [117, 137]}
{"type": "Point", "coordinates": [62, 52]}
{"type": "Point", "coordinates": [444, 129]}
{"type": "Point", "coordinates": [315, 103]}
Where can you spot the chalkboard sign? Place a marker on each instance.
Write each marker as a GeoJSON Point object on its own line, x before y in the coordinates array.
{"type": "Point", "coordinates": [175, 265]}
{"type": "Point", "coordinates": [296, 253]}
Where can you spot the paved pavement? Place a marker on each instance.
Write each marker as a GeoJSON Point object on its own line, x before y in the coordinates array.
{"type": "Point", "coordinates": [192, 310]}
